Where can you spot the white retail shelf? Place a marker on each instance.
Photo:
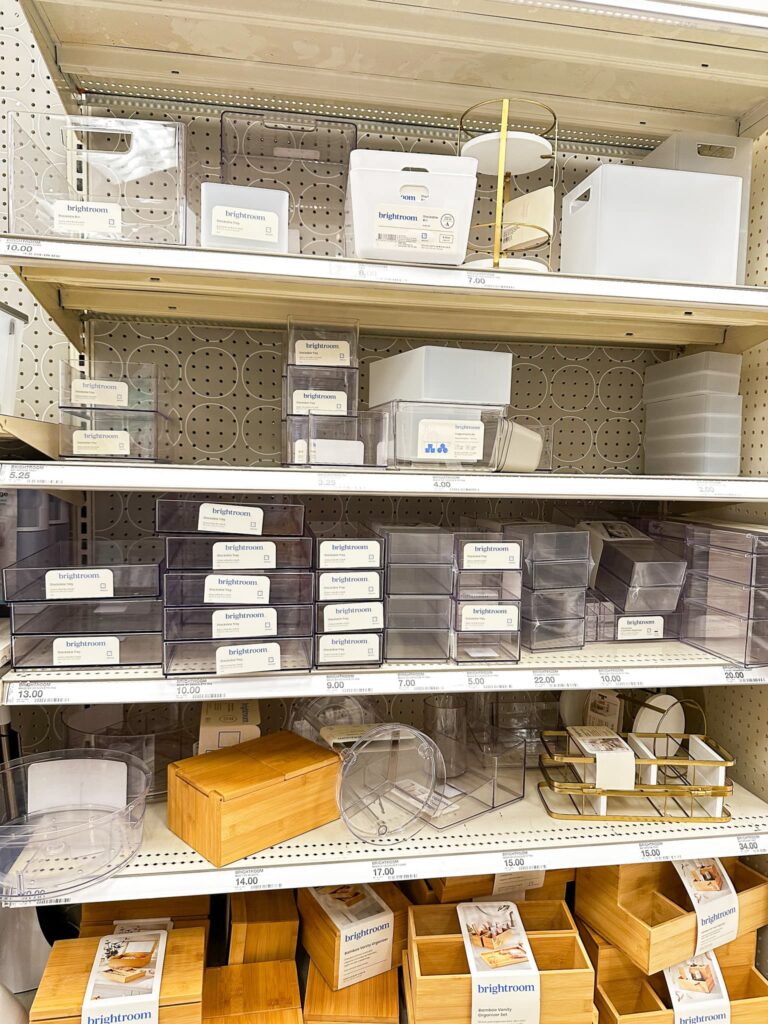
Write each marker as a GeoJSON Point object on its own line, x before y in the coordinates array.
{"type": "Point", "coordinates": [519, 837]}
{"type": "Point", "coordinates": [618, 665]}
{"type": "Point", "coordinates": [260, 479]}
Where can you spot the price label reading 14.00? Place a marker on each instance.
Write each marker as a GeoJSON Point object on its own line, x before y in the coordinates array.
{"type": "Point", "coordinates": [253, 879]}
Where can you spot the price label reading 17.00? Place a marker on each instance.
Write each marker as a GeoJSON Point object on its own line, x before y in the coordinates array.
{"type": "Point", "coordinates": [392, 871]}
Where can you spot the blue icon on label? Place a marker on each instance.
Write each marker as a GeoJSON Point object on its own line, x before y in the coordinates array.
{"type": "Point", "coordinates": [442, 449]}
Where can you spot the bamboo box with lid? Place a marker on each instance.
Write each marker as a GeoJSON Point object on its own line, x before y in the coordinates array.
{"type": "Point", "coordinates": [374, 1001]}
{"type": "Point", "coordinates": [99, 919]}
{"type": "Point", "coordinates": [59, 998]}
{"type": "Point", "coordinates": [233, 802]}
{"type": "Point", "coordinates": [263, 926]}
{"type": "Point", "coordinates": [260, 993]}
{"type": "Point", "coordinates": [644, 909]}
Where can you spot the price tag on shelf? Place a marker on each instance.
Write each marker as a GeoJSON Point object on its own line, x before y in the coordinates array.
{"type": "Point", "coordinates": [30, 247]}
{"type": "Point", "coordinates": [551, 680]}
{"type": "Point", "coordinates": [522, 860]}
{"type": "Point", "coordinates": [19, 473]}
{"type": "Point", "coordinates": [392, 871]}
{"type": "Point", "coordinates": [455, 485]}
{"type": "Point", "coordinates": [662, 849]}
{"type": "Point", "coordinates": [35, 898]}
{"type": "Point", "coordinates": [414, 682]}
{"type": "Point", "coordinates": [251, 879]}
{"type": "Point", "coordinates": [347, 683]}
{"type": "Point", "coordinates": [714, 488]}
{"type": "Point", "coordinates": [752, 846]}
{"type": "Point", "coordinates": [30, 691]}
{"type": "Point", "coordinates": [482, 680]}
{"type": "Point", "coordinates": [735, 676]}
{"type": "Point", "coordinates": [203, 689]}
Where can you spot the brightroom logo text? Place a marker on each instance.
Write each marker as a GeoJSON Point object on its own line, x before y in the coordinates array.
{"type": "Point", "coordinates": [500, 987]}
{"type": "Point", "coordinates": [362, 932]}
{"type": "Point", "coordinates": [120, 1018]}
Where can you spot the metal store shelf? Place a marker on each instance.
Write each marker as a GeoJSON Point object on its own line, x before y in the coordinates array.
{"type": "Point", "coordinates": [618, 665]}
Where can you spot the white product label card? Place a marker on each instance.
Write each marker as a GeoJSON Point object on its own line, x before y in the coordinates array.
{"type": "Point", "coordinates": [74, 217]}
{"type": "Point", "coordinates": [241, 222]}
{"type": "Point", "coordinates": [142, 924]}
{"type": "Point", "coordinates": [604, 707]}
{"type": "Point", "coordinates": [355, 615]}
{"type": "Point", "coordinates": [451, 440]}
{"type": "Point", "coordinates": [244, 519]}
{"type": "Point", "coordinates": [231, 554]}
{"type": "Point", "coordinates": [714, 901]}
{"type": "Point", "coordinates": [698, 992]}
{"type": "Point", "coordinates": [348, 586]}
{"type": "Point", "coordinates": [349, 554]}
{"type": "Point", "coordinates": [330, 403]}
{"type": "Point", "coordinates": [640, 627]}
{"type": "Point", "coordinates": [101, 442]}
{"type": "Point", "coordinates": [614, 766]}
{"type": "Point", "coordinates": [322, 352]}
{"type": "Point", "coordinates": [518, 882]}
{"type": "Point", "coordinates": [86, 650]}
{"type": "Point", "coordinates": [113, 393]}
{"type": "Point", "coordinates": [491, 555]}
{"type": "Point", "coordinates": [350, 648]}
{"type": "Point", "coordinates": [366, 928]}
{"type": "Point", "coordinates": [506, 986]}
{"type": "Point", "coordinates": [243, 622]}
{"type": "Point", "coordinates": [242, 659]}
{"type": "Point", "coordinates": [75, 781]}
{"type": "Point", "coordinates": [411, 227]}
{"type": "Point", "coordinates": [224, 589]}
{"type": "Point", "coordinates": [64, 584]}
{"type": "Point", "coordinates": [490, 618]}
{"type": "Point", "coordinates": [126, 977]}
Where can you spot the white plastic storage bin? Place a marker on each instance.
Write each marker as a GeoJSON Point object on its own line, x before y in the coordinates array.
{"type": "Point", "coordinates": [698, 414]}
{"type": "Point", "coordinates": [242, 217]}
{"type": "Point", "coordinates": [12, 323]}
{"type": "Point", "coordinates": [692, 464]}
{"type": "Point", "coordinates": [704, 373]}
{"type": "Point", "coordinates": [433, 373]}
{"type": "Point", "coordinates": [409, 207]}
{"type": "Point", "coordinates": [654, 224]}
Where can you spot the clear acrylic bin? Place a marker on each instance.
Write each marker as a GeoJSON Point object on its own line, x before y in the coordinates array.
{"type": "Point", "coordinates": [95, 650]}
{"type": "Point", "coordinates": [232, 554]}
{"type": "Point", "coordinates": [556, 575]}
{"type": "Point", "coordinates": [552, 635]}
{"type": "Point", "coordinates": [497, 585]}
{"type": "Point", "coordinates": [486, 616]}
{"type": "Point", "coordinates": [648, 626]}
{"type": "Point", "coordinates": [237, 657]}
{"type": "Point", "coordinates": [419, 579]}
{"type": "Point", "coordinates": [317, 344]}
{"type": "Point", "coordinates": [188, 589]}
{"type": "Point", "coordinates": [486, 551]}
{"type": "Point", "coordinates": [99, 178]}
{"type": "Point", "coordinates": [718, 372]}
{"type": "Point", "coordinates": [349, 616]}
{"type": "Point", "coordinates": [642, 563]}
{"type": "Point", "coordinates": [319, 440]}
{"type": "Point", "coordinates": [723, 535]}
{"type": "Point", "coordinates": [405, 612]}
{"type": "Point", "coordinates": [554, 604]}
{"type": "Point", "coordinates": [478, 647]}
{"type": "Point", "coordinates": [416, 545]}
{"type": "Point", "coordinates": [748, 602]}
{"type": "Point", "coordinates": [441, 435]}
{"type": "Point", "coordinates": [549, 542]}
{"type": "Point", "coordinates": [348, 650]}
{"type": "Point", "coordinates": [429, 645]}
{"type": "Point", "coordinates": [12, 324]}
{"type": "Point", "coordinates": [691, 464]}
{"type": "Point", "coordinates": [349, 585]}
{"type": "Point", "coordinates": [347, 546]}
{"type": "Point", "coordinates": [109, 385]}
{"type": "Point", "coordinates": [220, 623]}
{"type": "Point", "coordinates": [599, 619]}
{"type": "Point", "coordinates": [325, 390]}
{"type": "Point", "coordinates": [627, 598]}
{"type": "Point", "coordinates": [751, 570]}
{"type": "Point", "coordinates": [743, 641]}
{"type": "Point", "coordinates": [136, 615]}
{"type": "Point", "coordinates": [114, 434]}
{"type": "Point", "coordinates": [179, 515]}
{"type": "Point", "coordinates": [68, 820]}
{"type": "Point", "coordinates": [57, 573]}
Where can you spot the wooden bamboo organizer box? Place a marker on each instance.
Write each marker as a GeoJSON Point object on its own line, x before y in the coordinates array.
{"type": "Point", "coordinates": [644, 909]}
{"type": "Point", "coordinates": [438, 982]}
{"type": "Point", "coordinates": [98, 919]}
{"type": "Point", "coordinates": [260, 993]}
{"type": "Point", "coordinates": [374, 1001]}
{"type": "Point", "coordinates": [263, 926]}
{"type": "Point", "coordinates": [468, 887]}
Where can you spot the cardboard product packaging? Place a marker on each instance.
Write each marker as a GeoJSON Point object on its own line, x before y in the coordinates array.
{"type": "Point", "coordinates": [224, 723]}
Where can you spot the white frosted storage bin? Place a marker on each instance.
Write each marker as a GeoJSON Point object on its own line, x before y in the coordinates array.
{"type": "Point", "coordinates": [749, 602]}
{"type": "Point", "coordinates": [701, 414]}
{"type": "Point", "coordinates": [416, 544]}
{"type": "Point", "coordinates": [113, 434]}
{"type": "Point", "coordinates": [488, 585]}
{"type": "Point", "coordinates": [653, 224]}
{"type": "Point", "coordinates": [744, 641]}
{"type": "Point", "coordinates": [552, 634]}
{"type": "Point", "coordinates": [419, 579]}
{"type": "Point", "coordinates": [691, 464]}
{"type": "Point", "coordinates": [179, 515]}
{"type": "Point", "coordinates": [12, 324]}
{"type": "Point", "coordinates": [419, 612]}
{"type": "Point", "coordinates": [135, 615]}
{"type": "Point", "coordinates": [428, 645]}
{"type": "Point", "coordinates": [182, 589]}
{"type": "Point", "coordinates": [349, 616]}
{"type": "Point", "coordinates": [480, 647]}
{"type": "Point", "coordinates": [98, 651]}
{"type": "Point", "coordinates": [554, 604]}
{"type": "Point", "coordinates": [409, 207]}
{"type": "Point", "coordinates": [236, 553]}
{"type": "Point", "coordinates": [237, 657]}
{"type": "Point", "coordinates": [320, 440]}
{"type": "Point", "coordinates": [108, 385]}
{"type": "Point", "coordinates": [433, 435]}
{"type": "Point", "coordinates": [326, 390]}
{"type": "Point", "coordinates": [349, 585]}
{"type": "Point", "coordinates": [434, 373]}
{"type": "Point", "coordinates": [629, 598]}
{"type": "Point", "coordinates": [347, 650]}
{"type": "Point", "coordinates": [219, 623]}
{"type": "Point", "coordinates": [318, 344]}
{"type": "Point", "coordinates": [243, 217]}
{"type": "Point", "coordinates": [57, 573]}
{"type": "Point", "coordinates": [703, 372]}
{"type": "Point", "coordinates": [347, 546]}
{"type": "Point", "coordinates": [697, 444]}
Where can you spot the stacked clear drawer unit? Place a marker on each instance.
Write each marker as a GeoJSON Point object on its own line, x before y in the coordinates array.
{"type": "Point", "coordinates": [321, 386]}
{"type": "Point", "coordinates": [644, 580]}
{"type": "Point", "coordinates": [725, 604]}
{"type": "Point", "coordinates": [238, 590]}
{"type": "Point", "coordinates": [67, 611]}
{"type": "Point", "coordinates": [486, 598]}
{"type": "Point", "coordinates": [419, 588]}
{"type": "Point", "coordinates": [556, 567]}
{"type": "Point", "coordinates": [349, 563]}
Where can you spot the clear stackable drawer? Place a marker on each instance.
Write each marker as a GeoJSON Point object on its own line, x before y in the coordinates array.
{"type": "Point", "coordinates": [416, 545]}
{"type": "Point", "coordinates": [744, 641]}
{"type": "Point", "coordinates": [499, 585]}
{"type": "Point", "coordinates": [219, 623]}
{"type": "Point", "coordinates": [232, 554]}
{"type": "Point", "coordinates": [419, 579]}
{"type": "Point", "coordinates": [114, 434]}
{"type": "Point", "coordinates": [57, 573]}
{"type": "Point", "coordinates": [749, 602]}
{"type": "Point", "coordinates": [549, 542]}
{"type": "Point", "coordinates": [349, 584]}
{"type": "Point", "coordinates": [326, 390]}
{"type": "Point", "coordinates": [349, 616]}
{"type": "Point", "coordinates": [478, 647]}
{"type": "Point", "coordinates": [87, 650]}
{"type": "Point", "coordinates": [636, 599]}
{"type": "Point", "coordinates": [111, 385]}
{"type": "Point", "coordinates": [182, 589]}
{"type": "Point", "coordinates": [347, 546]}
{"type": "Point", "coordinates": [556, 575]}
{"type": "Point", "coordinates": [419, 612]}
{"type": "Point", "coordinates": [134, 615]}
{"type": "Point", "coordinates": [237, 657]}
{"type": "Point", "coordinates": [751, 570]}
{"type": "Point", "coordinates": [429, 645]}
{"type": "Point", "coordinates": [569, 603]}
{"type": "Point", "coordinates": [349, 650]}
{"type": "Point", "coordinates": [552, 635]}
{"type": "Point", "coordinates": [180, 515]}
{"type": "Point", "coordinates": [642, 563]}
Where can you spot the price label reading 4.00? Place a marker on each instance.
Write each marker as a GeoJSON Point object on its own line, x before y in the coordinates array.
{"type": "Point", "coordinates": [392, 871]}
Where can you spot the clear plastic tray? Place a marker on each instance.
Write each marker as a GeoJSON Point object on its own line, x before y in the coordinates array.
{"type": "Point", "coordinates": [416, 545]}
{"type": "Point", "coordinates": [319, 440]}
{"type": "Point", "coordinates": [326, 390]}
{"type": "Point", "coordinates": [316, 344]}
{"type": "Point", "coordinates": [478, 647]}
{"type": "Point", "coordinates": [349, 584]}
{"type": "Point", "coordinates": [599, 618]}
{"type": "Point", "coordinates": [497, 585]}
{"type": "Point", "coordinates": [751, 570]}
{"type": "Point", "coordinates": [99, 178]}
{"type": "Point", "coordinates": [748, 602]}
{"type": "Point", "coordinates": [95, 650]}
{"type": "Point", "coordinates": [114, 434]}
{"type": "Point", "coordinates": [349, 616]}
{"type": "Point", "coordinates": [486, 616]}
{"type": "Point", "coordinates": [136, 615]}
{"type": "Point", "coordinates": [227, 621]}
{"type": "Point", "coordinates": [185, 589]}
{"type": "Point", "coordinates": [419, 579]}
{"type": "Point", "coordinates": [68, 819]}
{"type": "Point", "coordinates": [554, 604]}
{"type": "Point", "coordinates": [347, 546]}
{"type": "Point", "coordinates": [430, 645]}
{"type": "Point", "coordinates": [487, 552]}
{"type": "Point", "coordinates": [109, 385]}
{"type": "Point", "coordinates": [178, 515]}
{"type": "Point", "coordinates": [552, 635]}
{"type": "Point", "coordinates": [442, 435]}
{"type": "Point", "coordinates": [642, 563]}
{"type": "Point", "coordinates": [743, 641]}
{"type": "Point", "coordinates": [348, 650]}
{"type": "Point", "coordinates": [421, 612]}
{"type": "Point", "coordinates": [321, 719]}
{"type": "Point", "coordinates": [748, 539]}
{"type": "Point", "coordinates": [556, 575]}
{"type": "Point", "coordinates": [233, 554]}
{"type": "Point", "coordinates": [237, 657]}
{"type": "Point", "coordinates": [718, 372]}
{"type": "Point", "coordinates": [627, 598]}
{"type": "Point", "coordinates": [549, 542]}
{"type": "Point", "coordinates": [57, 573]}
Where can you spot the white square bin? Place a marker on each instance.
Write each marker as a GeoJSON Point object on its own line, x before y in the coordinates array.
{"type": "Point", "coordinates": [433, 373]}
{"type": "Point", "coordinates": [409, 207]}
{"type": "Point", "coordinates": [654, 224]}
